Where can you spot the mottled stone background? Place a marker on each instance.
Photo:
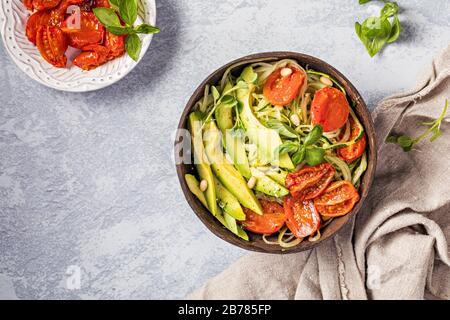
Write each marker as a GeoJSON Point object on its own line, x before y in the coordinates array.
{"type": "Point", "coordinates": [87, 179]}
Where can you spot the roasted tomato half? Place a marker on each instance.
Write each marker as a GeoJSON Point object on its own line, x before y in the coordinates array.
{"type": "Point", "coordinates": [271, 221]}
{"type": "Point", "coordinates": [310, 182]}
{"type": "Point", "coordinates": [102, 3]}
{"type": "Point", "coordinates": [337, 200]}
{"type": "Point", "coordinates": [354, 151]}
{"type": "Point", "coordinates": [45, 4]}
{"type": "Point", "coordinates": [28, 4]}
{"type": "Point", "coordinates": [281, 90]}
{"type": "Point", "coordinates": [301, 217]}
{"type": "Point", "coordinates": [115, 45]}
{"type": "Point", "coordinates": [86, 32]}
{"type": "Point", "coordinates": [329, 108]}
{"type": "Point", "coordinates": [91, 57]}
{"type": "Point", "coordinates": [52, 45]}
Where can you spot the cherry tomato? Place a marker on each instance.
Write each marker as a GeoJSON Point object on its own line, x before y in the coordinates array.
{"type": "Point", "coordinates": [52, 45]}
{"type": "Point", "coordinates": [337, 192]}
{"type": "Point", "coordinates": [90, 30]}
{"type": "Point", "coordinates": [337, 200]}
{"type": "Point", "coordinates": [329, 108]}
{"type": "Point", "coordinates": [28, 4]}
{"type": "Point", "coordinates": [302, 217]}
{"type": "Point", "coordinates": [354, 151]}
{"type": "Point", "coordinates": [33, 24]}
{"type": "Point", "coordinates": [115, 44]}
{"type": "Point", "coordinates": [45, 4]}
{"type": "Point", "coordinates": [91, 57]}
{"type": "Point", "coordinates": [281, 90]}
{"type": "Point", "coordinates": [310, 182]}
{"type": "Point", "coordinates": [271, 221]}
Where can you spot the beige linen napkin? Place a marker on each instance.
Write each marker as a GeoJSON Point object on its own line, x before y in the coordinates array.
{"type": "Point", "coordinates": [397, 246]}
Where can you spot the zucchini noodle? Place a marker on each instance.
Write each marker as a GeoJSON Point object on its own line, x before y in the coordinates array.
{"type": "Point", "coordinates": [347, 132]}
{"type": "Point", "coordinates": [360, 170]}
{"type": "Point", "coordinates": [315, 237]}
{"type": "Point", "coordinates": [340, 165]}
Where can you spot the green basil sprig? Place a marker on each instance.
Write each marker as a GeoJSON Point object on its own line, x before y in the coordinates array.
{"type": "Point", "coordinates": [126, 11]}
{"type": "Point", "coordinates": [376, 32]}
{"type": "Point", "coordinates": [307, 151]}
{"type": "Point", "coordinates": [407, 142]}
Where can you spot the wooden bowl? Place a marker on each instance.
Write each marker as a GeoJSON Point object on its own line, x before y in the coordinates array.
{"type": "Point", "coordinates": [256, 242]}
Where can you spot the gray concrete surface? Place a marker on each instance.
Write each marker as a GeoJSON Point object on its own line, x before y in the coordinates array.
{"type": "Point", "coordinates": [90, 206]}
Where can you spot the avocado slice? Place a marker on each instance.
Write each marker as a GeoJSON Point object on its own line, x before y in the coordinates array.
{"type": "Point", "coordinates": [228, 202]}
{"type": "Point", "coordinates": [266, 140]}
{"type": "Point", "coordinates": [276, 174]}
{"type": "Point", "coordinates": [194, 187]}
{"type": "Point", "coordinates": [233, 142]}
{"type": "Point", "coordinates": [201, 161]}
{"type": "Point", "coordinates": [266, 185]}
{"type": "Point", "coordinates": [225, 171]}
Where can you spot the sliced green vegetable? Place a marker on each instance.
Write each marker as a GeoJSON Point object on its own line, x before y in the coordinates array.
{"type": "Point", "coordinates": [201, 161]}
{"type": "Point", "coordinates": [225, 171]}
{"type": "Point", "coordinates": [194, 187]}
{"type": "Point", "coordinates": [228, 202]}
{"type": "Point", "coordinates": [268, 186]}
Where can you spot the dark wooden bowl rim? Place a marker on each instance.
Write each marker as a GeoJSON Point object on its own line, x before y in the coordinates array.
{"type": "Point", "coordinates": [256, 243]}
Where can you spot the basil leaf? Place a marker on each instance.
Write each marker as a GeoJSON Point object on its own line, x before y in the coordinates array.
{"type": "Point", "coordinates": [107, 17]}
{"type": "Point", "coordinates": [395, 32]}
{"type": "Point", "coordinates": [147, 29]}
{"type": "Point", "coordinates": [133, 46]}
{"type": "Point", "coordinates": [314, 156]}
{"type": "Point", "coordinates": [405, 142]}
{"type": "Point", "coordinates": [314, 135]}
{"type": "Point", "coordinates": [299, 156]}
{"type": "Point", "coordinates": [389, 9]}
{"type": "Point", "coordinates": [376, 27]}
{"type": "Point", "coordinates": [128, 11]}
{"type": "Point", "coordinates": [228, 100]}
{"type": "Point", "coordinates": [287, 147]}
{"type": "Point", "coordinates": [391, 139]}
{"type": "Point", "coordinates": [119, 31]}
{"type": "Point", "coordinates": [282, 128]}
{"type": "Point", "coordinates": [364, 1]}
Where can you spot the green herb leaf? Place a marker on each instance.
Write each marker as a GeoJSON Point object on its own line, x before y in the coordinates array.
{"type": "Point", "coordinates": [107, 17]}
{"type": "Point", "coordinates": [389, 9]}
{"type": "Point", "coordinates": [288, 147]}
{"type": "Point", "coordinates": [133, 46]}
{"type": "Point", "coordinates": [299, 156]}
{"type": "Point", "coordinates": [395, 31]}
{"type": "Point", "coordinates": [314, 156]}
{"type": "Point", "coordinates": [314, 135]}
{"type": "Point", "coordinates": [376, 32]}
{"type": "Point", "coordinates": [364, 1]}
{"type": "Point", "coordinates": [405, 141]}
{"type": "Point", "coordinates": [228, 100]}
{"type": "Point", "coordinates": [282, 128]}
{"type": "Point", "coordinates": [119, 31]}
{"type": "Point", "coordinates": [128, 11]}
{"type": "Point", "coordinates": [146, 29]}
{"type": "Point", "coordinates": [391, 139]}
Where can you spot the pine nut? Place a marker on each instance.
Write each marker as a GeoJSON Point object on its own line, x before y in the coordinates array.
{"type": "Point", "coordinates": [295, 119]}
{"type": "Point", "coordinates": [278, 108]}
{"type": "Point", "coordinates": [286, 72]}
{"type": "Point", "coordinates": [251, 182]}
{"type": "Point", "coordinates": [326, 81]}
{"type": "Point", "coordinates": [203, 185]}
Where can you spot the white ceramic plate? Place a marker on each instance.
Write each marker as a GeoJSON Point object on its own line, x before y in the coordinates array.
{"type": "Point", "coordinates": [13, 18]}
